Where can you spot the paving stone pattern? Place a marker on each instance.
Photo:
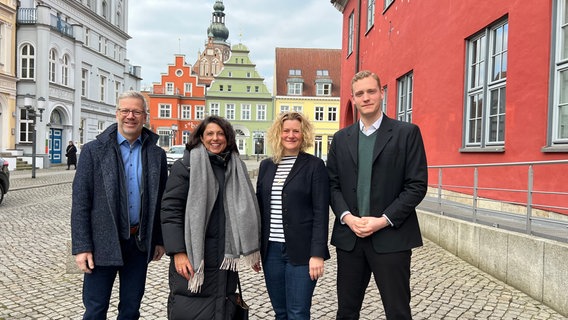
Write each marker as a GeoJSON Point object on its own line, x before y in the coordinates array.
{"type": "Point", "coordinates": [35, 282]}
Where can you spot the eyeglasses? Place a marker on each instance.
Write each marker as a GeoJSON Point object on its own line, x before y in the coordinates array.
{"type": "Point", "coordinates": [125, 112]}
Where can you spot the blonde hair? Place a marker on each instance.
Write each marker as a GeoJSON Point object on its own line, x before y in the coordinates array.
{"type": "Point", "coordinates": [275, 132]}
{"type": "Point", "coordinates": [365, 74]}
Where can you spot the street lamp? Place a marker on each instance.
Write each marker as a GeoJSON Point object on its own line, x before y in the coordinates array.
{"type": "Point", "coordinates": [32, 112]}
{"type": "Point", "coordinates": [174, 133]}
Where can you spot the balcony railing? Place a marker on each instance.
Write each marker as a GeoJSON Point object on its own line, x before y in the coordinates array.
{"type": "Point", "coordinates": [27, 15]}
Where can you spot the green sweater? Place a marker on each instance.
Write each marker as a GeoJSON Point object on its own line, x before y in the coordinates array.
{"type": "Point", "coordinates": [365, 171]}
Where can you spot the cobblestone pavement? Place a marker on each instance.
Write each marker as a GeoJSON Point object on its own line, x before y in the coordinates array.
{"type": "Point", "coordinates": [36, 281]}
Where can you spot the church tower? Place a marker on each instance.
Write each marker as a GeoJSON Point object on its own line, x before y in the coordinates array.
{"type": "Point", "coordinates": [217, 49]}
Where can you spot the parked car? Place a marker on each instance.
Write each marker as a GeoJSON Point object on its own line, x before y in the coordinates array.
{"type": "Point", "coordinates": [4, 178]}
{"type": "Point", "coordinates": [175, 152]}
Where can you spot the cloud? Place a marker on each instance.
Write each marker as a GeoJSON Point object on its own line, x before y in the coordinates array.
{"type": "Point", "coordinates": [159, 31]}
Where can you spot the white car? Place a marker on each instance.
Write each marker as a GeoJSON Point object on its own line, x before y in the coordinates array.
{"type": "Point", "coordinates": [175, 152]}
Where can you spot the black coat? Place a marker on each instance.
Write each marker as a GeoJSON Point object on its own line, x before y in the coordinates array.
{"type": "Point", "coordinates": [71, 154]}
{"type": "Point", "coordinates": [210, 302]}
{"type": "Point", "coordinates": [398, 184]}
{"type": "Point", "coordinates": [305, 208]}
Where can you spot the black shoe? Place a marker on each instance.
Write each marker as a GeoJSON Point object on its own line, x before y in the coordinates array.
{"type": "Point", "coordinates": [67, 169]}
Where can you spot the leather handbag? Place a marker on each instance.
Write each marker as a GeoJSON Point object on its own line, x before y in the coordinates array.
{"type": "Point", "coordinates": [237, 308]}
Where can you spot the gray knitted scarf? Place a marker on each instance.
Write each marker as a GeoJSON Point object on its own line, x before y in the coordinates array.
{"type": "Point", "coordinates": [242, 216]}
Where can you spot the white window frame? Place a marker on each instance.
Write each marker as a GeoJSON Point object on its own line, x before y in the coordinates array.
{"type": "Point", "coordinates": [187, 88]}
{"type": "Point", "coordinates": [284, 108]}
{"type": "Point", "coordinates": [52, 65]}
{"type": "Point", "coordinates": [230, 111]}
{"type": "Point", "coordinates": [169, 88]}
{"type": "Point", "coordinates": [370, 14]}
{"type": "Point", "coordinates": [323, 89]}
{"type": "Point", "coordinates": [27, 61]}
{"type": "Point", "coordinates": [199, 112]}
{"type": "Point", "coordinates": [186, 111]}
{"type": "Point", "coordinates": [84, 82]}
{"type": "Point", "coordinates": [298, 108]}
{"type": "Point", "coordinates": [559, 112]}
{"type": "Point", "coordinates": [214, 109]}
{"type": "Point", "coordinates": [164, 110]}
{"type": "Point", "coordinates": [319, 113]}
{"type": "Point", "coordinates": [405, 88]}
{"type": "Point", "coordinates": [65, 70]}
{"type": "Point", "coordinates": [350, 33]}
{"type": "Point", "coordinates": [245, 111]}
{"type": "Point", "coordinates": [102, 87]}
{"type": "Point", "coordinates": [295, 88]}
{"type": "Point", "coordinates": [261, 112]}
{"type": "Point", "coordinates": [332, 113]}
{"type": "Point", "coordinates": [486, 84]}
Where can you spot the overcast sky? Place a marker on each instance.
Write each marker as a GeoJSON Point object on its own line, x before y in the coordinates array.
{"type": "Point", "coordinates": [160, 29]}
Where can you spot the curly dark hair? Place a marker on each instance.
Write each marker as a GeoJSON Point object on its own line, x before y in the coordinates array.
{"type": "Point", "coordinates": [195, 138]}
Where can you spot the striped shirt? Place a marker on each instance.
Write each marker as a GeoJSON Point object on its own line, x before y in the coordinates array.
{"type": "Point", "coordinates": [276, 225]}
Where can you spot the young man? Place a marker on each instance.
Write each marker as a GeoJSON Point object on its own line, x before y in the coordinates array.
{"type": "Point", "coordinates": [115, 217]}
{"type": "Point", "coordinates": [378, 175]}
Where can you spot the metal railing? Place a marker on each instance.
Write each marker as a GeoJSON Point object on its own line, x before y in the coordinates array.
{"type": "Point", "coordinates": [27, 15]}
{"type": "Point", "coordinates": [496, 194]}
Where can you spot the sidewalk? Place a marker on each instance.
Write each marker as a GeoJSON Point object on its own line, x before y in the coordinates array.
{"type": "Point", "coordinates": [35, 282]}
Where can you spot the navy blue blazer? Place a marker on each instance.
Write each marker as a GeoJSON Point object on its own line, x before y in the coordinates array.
{"type": "Point", "coordinates": [398, 184]}
{"type": "Point", "coordinates": [305, 208]}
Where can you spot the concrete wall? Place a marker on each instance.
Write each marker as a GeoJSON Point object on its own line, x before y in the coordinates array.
{"type": "Point", "coordinates": [535, 266]}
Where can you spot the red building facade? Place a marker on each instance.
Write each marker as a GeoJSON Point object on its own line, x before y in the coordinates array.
{"type": "Point", "coordinates": [486, 81]}
{"type": "Point", "coordinates": [176, 103]}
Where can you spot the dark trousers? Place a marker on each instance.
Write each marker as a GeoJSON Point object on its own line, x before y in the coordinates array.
{"type": "Point", "coordinates": [392, 276]}
{"type": "Point", "coordinates": [97, 286]}
{"type": "Point", "coordinates": [289, 287]}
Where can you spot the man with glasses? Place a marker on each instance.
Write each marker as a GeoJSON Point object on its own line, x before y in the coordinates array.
{"type": "Point", "coordinates": [115, 215]}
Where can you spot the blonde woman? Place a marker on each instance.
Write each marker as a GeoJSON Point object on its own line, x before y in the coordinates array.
{"type": "Point", "coordinates": [293, 195]}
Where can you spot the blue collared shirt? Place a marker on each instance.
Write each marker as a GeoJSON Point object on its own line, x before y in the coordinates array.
{"type": "Point", "coordinates": [132, 161]}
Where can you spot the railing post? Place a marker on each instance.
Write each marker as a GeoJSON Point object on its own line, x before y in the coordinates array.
{"type": "Point", "coordinates": [475, 186]}
{"type": "Point", "coordinates": [440, 190]}
{"type": "Point", "coordinates": [529, 198]}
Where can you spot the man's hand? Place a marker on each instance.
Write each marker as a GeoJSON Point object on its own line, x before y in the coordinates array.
{"type": "Point", "coordinates": [365, 226]}
{"type": "Point", "coordinates": [158, 253]}
{"type": "Point", "coordinates": [85, 262]}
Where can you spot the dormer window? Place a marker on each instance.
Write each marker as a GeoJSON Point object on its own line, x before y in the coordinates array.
{"type": "Point", "coordinates": [295, 72]}
{"type": "Point", "coordinates": [322, 73]}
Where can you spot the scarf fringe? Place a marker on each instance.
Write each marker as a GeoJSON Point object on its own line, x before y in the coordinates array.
{"type": "Point", "coordinates": [233, 263]}
{"type": "Point", "coordinates": [195, 283]}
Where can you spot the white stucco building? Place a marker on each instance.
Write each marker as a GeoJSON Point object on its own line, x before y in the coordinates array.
{"type": "Point", "coordinates": [72, 54]}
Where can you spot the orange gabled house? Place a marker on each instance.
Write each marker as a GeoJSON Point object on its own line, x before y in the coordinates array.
{"type": "Point", "coordinates": [176, 103]}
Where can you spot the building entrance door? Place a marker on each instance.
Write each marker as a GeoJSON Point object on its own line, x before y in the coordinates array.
{"type": "Point", "coordinates": [55, 145]}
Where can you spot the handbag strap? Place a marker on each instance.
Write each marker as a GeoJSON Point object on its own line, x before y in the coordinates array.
{"type": "Point", "coordinates": [239, 284]}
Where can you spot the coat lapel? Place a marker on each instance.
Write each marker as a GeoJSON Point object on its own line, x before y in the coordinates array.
{"type": "Point", "coordinates": [384, 134]}
{"type": "Point", "coordinates": [353, 135]}
{"type": "Point", "coordinates": [297, 167]}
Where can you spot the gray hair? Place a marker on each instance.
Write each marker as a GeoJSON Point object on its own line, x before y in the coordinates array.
{"type": "Point", "coordinates": [135, 95]}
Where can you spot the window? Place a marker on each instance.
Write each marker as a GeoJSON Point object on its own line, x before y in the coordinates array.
{"type": "Point", "coordinates": [387, 4]}
{"type": "Point", "coordinates": [370, 14]}
{"type": "Point", "coordinates": [261, 112]}
{"type": "Point", "coordinates": [28, 62]}
{"type": "Point", "coordinates": [116, 91]}
{"type": "Point", "coordinates": [65, 70]}
{"type": "Point", "coordinates": [323, 89]}
{"type": "Point", "coordinates": [332, 114]}
{"type": "Point", "coordinates": [318, 146]}
{"type": "Point", "coordinates": [229, 88]}
{"type": "Point", "coordinates": [318, 116]}
{"type": "Point", "coordinates": [384, 102]}
{"type": "Point", "coordinates": [100, 127]}
{"type": "Point", "coordinates": [245, 112]}
{"type": "Point", "coordinates": [404, 101]}
{"type": "Point", "coordinates": [230, 111]}
{"type": "Point", "coordinates": [295, 72]}
{"type": "Point", "coordinates": [221, 88]}
{"type": "Point", "coordinates": [214, 109]}
{"type": "Point", "coordinates": [52, 65]}
{"type": "Point", "coordinates": [248, 88]}
{"type": "Point", "coordinates": [100, 43]}
{"type": "Point", "coordinates": [298, 108]}
{"type": "Point", "coordinates": [322, 73]}
{"type": "Point", "coordinates": [560, 104]}
{"type": "Point", "coordinates": [84, 82]}
{"type": "Point", "coordinates": [350, 33]}
{"type": "Point", "coordinates": [294, 88]}
{"type": "Point", "coordinates": [170, 88]}
{"type": "Point", "coordinates": [164, 137]}
{"type": "Point", "coordinates": [284, 108]}
{"type": "Point", "coordinates": [26, 126]}
{"type": "Point", "coordinates": [87, 43]}
{"type": "Point", "coordinates": [256, 89]}
{"type": "Point", "coordinates": [164, 110]}
{"type": "Point", "coordinates": [248, 74]}
{"type": "Point", "coordinates": [199, 112]}
{"type": "Point", "coordinates": [102, 88]}
{"type": "Point", "coordinates": [486, 84]}
{"type": "Point", "coordinates": [258, 137]}
{"type": "Point", "coordinates": [185, 111]}
{"type": "Point", "coordinates": [187, 89]}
